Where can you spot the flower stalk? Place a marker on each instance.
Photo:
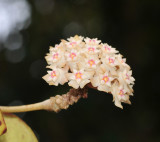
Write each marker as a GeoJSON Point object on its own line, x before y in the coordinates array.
{"type": "Point", "coordinates": [53, 104]}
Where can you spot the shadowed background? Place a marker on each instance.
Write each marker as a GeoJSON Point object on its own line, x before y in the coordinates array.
{"type": "Point", "coordinates": [28, 28]}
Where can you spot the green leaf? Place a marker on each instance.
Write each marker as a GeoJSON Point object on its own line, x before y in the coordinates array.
{"type": "Point", "coordinates": [17, 130]}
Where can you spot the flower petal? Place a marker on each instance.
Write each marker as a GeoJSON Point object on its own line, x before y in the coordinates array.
{"type": "Point", "coordinates": [95, 81]}
{"type": "Point", "coordinates": [84, 82]}
{"type": "Point", "coordinates": [74, 84]}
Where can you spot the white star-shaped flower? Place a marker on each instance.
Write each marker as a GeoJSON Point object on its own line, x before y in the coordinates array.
{"type": "Point", "coordinates": [76, 38]}
{"type": "Point", "coordinates": [91, 63]}
{"type": "Point", "coordinates": [122, 62]}
{"type": "Point", "coordinates": [90, 50]}
{"type": "Point", "coordinates": [72, 55]}
{"type": "Point", "coordinates": [102, 81]}
{"type": "Point", "coordinates": [56, 76]}
{"type": "Point", "coordinates": [122, 96]}
{"type": "Point", "coordinates": [93, 41]}
{"type": "Point", "coordinates": [58, 47]}
{"type": "Point", "coordinates": [79, 78]}
{"type": "Point", "coordinates": [56, 58]}
{"type": "Point", "coordinates": [106, 49]}
{"type": "Point", "coordinates": [125, 77]}
{"type": "Point", "coordinates": [119, 95]}
{"type": "Point", "coordinates": [110, 61]}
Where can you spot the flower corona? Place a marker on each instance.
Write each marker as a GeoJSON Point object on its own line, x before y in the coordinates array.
{"type": "Point", "coordinates": [81, 61]}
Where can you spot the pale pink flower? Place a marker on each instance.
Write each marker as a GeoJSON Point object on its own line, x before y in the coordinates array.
{"type": "Point", "coordinates": [77, 39]}
{"type": "Point", "coordinates": [110, 61]}
{"type": "Point", "coordinates": [56, 76]}
{"type": "Point", "coordinates": [56, 58]}
{"type": "Point", "coordinates": [72, 55]}
{"type": "Point", "coordinates": [122, 62]}
{"type": "Point", "coordinates": [91, 63]}
{"type": "Point", "coordinates": [125, 77]}
{"type": "Point", "coordinates": [119, 95]}
{"type": "Point", "coordinates": [102, 81]}
{"type": "Point", "coordinates": [91, 50]}
{"type": "Point", "coordinates": [93, 41]}
{"type": "Point", "coordinates": [106, 49]}
{"type": "Point", "coordinates": [79, 78]}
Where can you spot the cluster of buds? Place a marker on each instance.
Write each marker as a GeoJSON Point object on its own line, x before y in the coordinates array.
{"type": "Point", "coordinates": [81, 61]}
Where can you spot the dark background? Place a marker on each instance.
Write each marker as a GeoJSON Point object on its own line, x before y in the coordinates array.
{"type": "Point", "coordinates": [131, 26]}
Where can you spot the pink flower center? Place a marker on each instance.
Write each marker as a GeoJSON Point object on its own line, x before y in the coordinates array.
{"type": "Point", "coordinates": [111, 60]}
{"type": "Point", "coordinates": [73, 43]}
{"type": "Point", "coordinates": [55, 56]}
{"type": "Point", "coordinates": [127, 76]}
{"type": "Point", "coordinates": [78, 75]}
{"type": "Point", "coordinates": [107, 48]}
{"type": "Point", "coordinates": [72, 55]}
{"type": "Point", "coordinates": [91, 62]}
{"type": "Point", "coordinates": [121, 92]}
{"type": "Point", "coordinates": [105, 79]}
{"type": "Point", "coordinates": [122, 61]}
{"type": "Point", "coordinates": [53, 74]}
{"type": "Point", "coordinates": [92, 40]}
{"type": "Point", "coordinates": [91, 49]}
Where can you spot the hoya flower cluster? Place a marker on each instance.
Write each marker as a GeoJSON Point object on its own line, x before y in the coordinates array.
{"type": "Point", "coordinates": [80, 61]}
